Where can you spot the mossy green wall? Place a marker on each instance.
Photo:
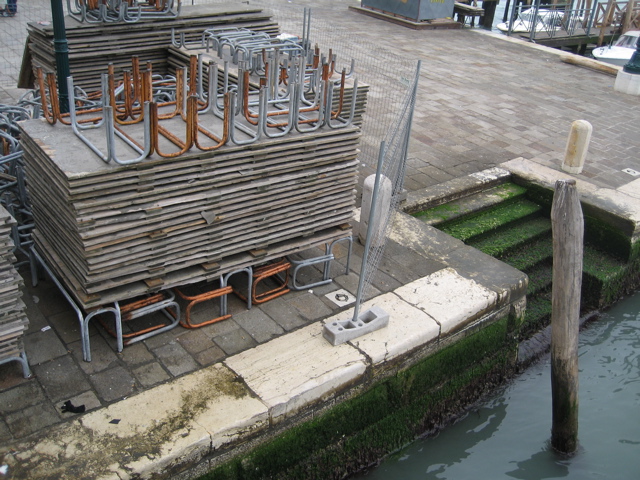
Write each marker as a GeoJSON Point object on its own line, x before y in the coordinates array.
{"type": "Point", "coordinates": [390, 414]}
{"type": "Point", "coordinates": [604, 235]}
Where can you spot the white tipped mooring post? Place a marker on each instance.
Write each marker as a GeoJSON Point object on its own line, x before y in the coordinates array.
{"type": "Point", "coordinates": [385, 189]}
{"type": "Point", "coordinates": [568, 227]}
{"type": "Point", "coordinates": [577, 146]}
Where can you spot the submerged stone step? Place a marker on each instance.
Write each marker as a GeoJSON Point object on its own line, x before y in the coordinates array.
{"type": "Point", "coordinates": [603, 277]}
{"type": "Point", "coordinates": [530, 255]}
{"type": "Point", "coordinates": [509, 237]}
{"type": "Point", "coordinates": [490, 220]}
{"type": "Point", "coordinates": [471, 204]}
{"type": "Point", "coordinates": [540, 277]}
{"type": "Point", "coordinates": [537, 315]}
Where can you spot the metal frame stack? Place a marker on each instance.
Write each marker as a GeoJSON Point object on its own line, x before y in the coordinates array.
{"type": "Point", "coordinates": [180, 56]}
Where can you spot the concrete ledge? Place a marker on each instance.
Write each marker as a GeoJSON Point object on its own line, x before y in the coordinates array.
{"type": "Point", "coordinates": [297, 370]}
{"type": "Point", "coordinates": [454, 189]}
{"type": "Point", "coordinates": [406, 22]}
{"type": "Point", "coordinates": [146, 435]}
{"type": "Point", "coordinates": [632, 189]}
{"type": "Point", "coordinates": [617, 207]}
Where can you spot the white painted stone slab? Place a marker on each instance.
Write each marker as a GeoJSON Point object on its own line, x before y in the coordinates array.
{"type": "Point", "coordinates": [490, 174]}
{"type": "Point", "coordinates": [293, 371]}
{"type": "Point", "coordinates": [450, 299]}
{"type": "Point", "coordinates": [545, 176]}
{"type": "Point", "coordinates": [184, 418]}
{"type": "Point", "coordinates": [408, 328]}
{"type": "Point", "coordinates": [143, 435]}
{"type": "Point", "coordinates": [632, 189]}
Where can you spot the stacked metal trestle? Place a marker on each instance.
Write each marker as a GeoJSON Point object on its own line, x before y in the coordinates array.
{"type": "Point", "coordinates": [129, 11]}
{"type": "Point", "coordinates": [163, 181]}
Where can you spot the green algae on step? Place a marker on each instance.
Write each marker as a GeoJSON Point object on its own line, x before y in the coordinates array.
{"type": "Point", "coordinates": [512, 236]}
{"type": "Point", "coordinates": [475, 225]}
{"type": "Point", "coordinates": [461, 207]}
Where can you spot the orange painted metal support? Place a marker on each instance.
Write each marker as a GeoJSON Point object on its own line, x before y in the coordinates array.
{"type": "Point", "coordinates": [268, 271]}
{"type": "Point", "coordinates": [193, 300]}
{"type": "Point", "coordinates": [250, 116]}
{"type": "Point", "coordinates": [143, 306]}
{"type": "Point", "coordinates": [51, 109]}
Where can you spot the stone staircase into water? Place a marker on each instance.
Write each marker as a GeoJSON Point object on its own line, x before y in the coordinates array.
{"type": "Point", "coordinates": [511, 223]}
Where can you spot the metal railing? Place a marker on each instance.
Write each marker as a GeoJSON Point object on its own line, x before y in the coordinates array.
{"type": "Point", "coordinates": [567, 20]}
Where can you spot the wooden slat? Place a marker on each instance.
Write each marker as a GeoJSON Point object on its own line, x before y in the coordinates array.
{"type": "Point", "coordinates": [93, 46]}
{"type": "Point", "coordinates": [13, 318]}
{"type": "Point", "coordinates": [113, 237]}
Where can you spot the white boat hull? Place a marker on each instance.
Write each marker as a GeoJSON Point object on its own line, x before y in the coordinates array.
{"type": "Point", "coordinates": [614, 55]}
{"type": "Point", "coordinates": [619, 53]}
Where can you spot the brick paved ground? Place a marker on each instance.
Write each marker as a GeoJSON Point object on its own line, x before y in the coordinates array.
{"type": "Point", "coordinates": [481, 101]}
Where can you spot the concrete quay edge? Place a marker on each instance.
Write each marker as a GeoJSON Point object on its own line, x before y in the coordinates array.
{"type": "Point", "coordinates": [621, 205]}
{"type": "Point", "coordinates": [188, 425]}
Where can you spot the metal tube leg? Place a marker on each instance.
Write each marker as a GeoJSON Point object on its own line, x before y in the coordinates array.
{"type": "Point", "coordinates": [329, 250]}
{"type": "Point", "coordinates": [34, 268]}
{"type": "Point", "coordinates": [224, 281]}
{"type": "Point", "coordinates": [26, 372]}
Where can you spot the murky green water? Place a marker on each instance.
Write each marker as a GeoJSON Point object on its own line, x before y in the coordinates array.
{"type": "Point", "coordinates": [508, 437]}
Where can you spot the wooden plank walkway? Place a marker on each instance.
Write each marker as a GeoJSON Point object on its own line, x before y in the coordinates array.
{"type": "Point", "coordinates": [112, 232]}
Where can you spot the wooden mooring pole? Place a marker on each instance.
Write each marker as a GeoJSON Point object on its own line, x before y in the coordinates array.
{"type": "Point", "coordinates": [568, 227]}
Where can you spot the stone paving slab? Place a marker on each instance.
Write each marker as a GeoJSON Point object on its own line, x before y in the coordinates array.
{"type": "Point", "coordinates": [409, 328]}
{"type": "Point", "coordinates": [450, 299]}
{"type": "Point", "coordinates": [298, 369]}
{"type": "Point", "coordinates": [143, 435]}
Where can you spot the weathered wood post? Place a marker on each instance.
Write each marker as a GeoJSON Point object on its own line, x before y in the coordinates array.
{"type": "Point", "coordinates": [568, 227]}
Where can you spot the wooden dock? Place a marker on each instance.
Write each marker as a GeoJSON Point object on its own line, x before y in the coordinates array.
{"type": "Point", "coordinates": [578, 41]}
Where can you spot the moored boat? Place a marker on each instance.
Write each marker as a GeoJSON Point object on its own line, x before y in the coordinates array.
{"type": "Point", "coordinates": [620, 52]}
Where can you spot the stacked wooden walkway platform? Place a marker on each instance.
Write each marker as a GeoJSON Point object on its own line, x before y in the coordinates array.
{"type": "Point", "coordinates": [93, 45]}
{"type": "Point", "coordinates": [13, 315]}
{"type": "Point", "coordinates": [113, 232]}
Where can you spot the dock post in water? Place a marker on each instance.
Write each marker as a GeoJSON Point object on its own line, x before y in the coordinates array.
{"type": "Point", "coordinates": [568, 227]}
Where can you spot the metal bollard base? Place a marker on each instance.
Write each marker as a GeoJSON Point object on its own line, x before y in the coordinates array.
{"type": "Point", "coordinates": [369, 321]}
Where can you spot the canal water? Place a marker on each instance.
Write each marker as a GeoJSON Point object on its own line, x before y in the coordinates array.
{"type": "Point", "coordinates": [508, 436]}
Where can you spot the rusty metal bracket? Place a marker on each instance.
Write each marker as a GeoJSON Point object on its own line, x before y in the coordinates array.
{"type": "Point", "coordinates": [194, 300]}
{"type": "Point", "coordinates": [262, 273]}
